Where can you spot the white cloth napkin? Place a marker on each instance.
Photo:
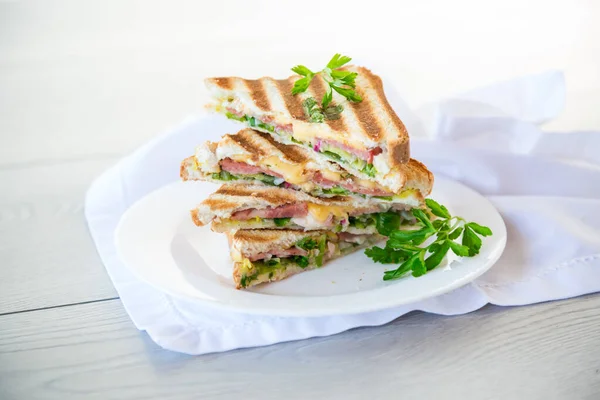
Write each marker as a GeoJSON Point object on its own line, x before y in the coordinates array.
{"type": "Point", "coordinates": [488, 139]}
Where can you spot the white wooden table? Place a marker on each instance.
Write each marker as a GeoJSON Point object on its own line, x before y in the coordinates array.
{"type": "Point", "coordinates": [83, 83]}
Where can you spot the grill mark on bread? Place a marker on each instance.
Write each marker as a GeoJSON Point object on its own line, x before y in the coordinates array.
{"type": "Point", "coordinates": [212, 146]}
{"type": "Point", "coordinates": [225, 83]}
{"type": "Point", "coordinates": [278, 94]}
{"type": "Point", "coordinates": [194, 213]}
{"type": "Point", "coordinates": [274, 196]}
{"type": "Point", "coordinates": [319, 89]}
{"type": "Point", "coordinates": [367, 118]}
{"type": "Point", "coordinates": [258, 94]}
{"type": "Point", "coordinates": [377, 85]}
{"type": "Point", "coordinates": [398, 144]}
{"type": "Point", "coordinates": [216, 203]}
{"type": "Point", "coordinates": [268, 236]}
{"type": "Point", "coordinates": [398, 152]}
{"type": "Point", "coordinates": [245, 140]}
{"type": "Point", "coordinates": [183, 172]}
{"type": "Point", "coordinates": [290, 152]}
{"type": "Point", "coordinates": [259, 145]}
{"type": "Point", "coordinates": [293, 103]}
{"type": "Point", "coordinates": [256, 238]}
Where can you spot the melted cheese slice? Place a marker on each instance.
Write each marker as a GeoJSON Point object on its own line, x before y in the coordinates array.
{"type": "Point", "coordinates": [331, 176]}
{"type": "Point", "coordinates": [321, 212]}
{"type": "Point", "coordinates": [405, 194]}
{"type": "Point", "coordinates": [293, 173]}
{"type": "Point", "coordinates": [305, 132]}
{"type": "Point", "coordinates": [368, 184]}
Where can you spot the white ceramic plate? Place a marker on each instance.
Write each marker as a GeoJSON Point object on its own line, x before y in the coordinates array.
{"type": "Point", "coordinates": [158, 241]}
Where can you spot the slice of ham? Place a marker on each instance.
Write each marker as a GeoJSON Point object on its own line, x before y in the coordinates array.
{"type": "Point", "coordinates": [352, 238]}
{"type": "Point", "coordinates": [241, 168]}
{"type": "Point", "coordinates": [351, 186]}
{"type": "Point", "coordinates": [235, 112]}
{"type": "Point", "coordinates": [293, 251]}
{"type": "Point", "coordinates": [366, 155]}
{"type": "Point", "coordinates": [287, 128]}
{"type": "Point", "coordinates": [298, 210]}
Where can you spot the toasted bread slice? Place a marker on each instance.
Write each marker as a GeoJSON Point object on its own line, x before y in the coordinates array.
{"type": "Point", "coordinates": [368, 139]}
{"type": "Point", "coordinates": [253, 156]}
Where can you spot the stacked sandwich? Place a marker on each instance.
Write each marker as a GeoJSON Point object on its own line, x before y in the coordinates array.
{"type": "Point", "coordinates": [301, 184]}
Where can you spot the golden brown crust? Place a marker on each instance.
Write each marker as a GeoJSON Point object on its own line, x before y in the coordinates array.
{"type": "Point", "coordinates": [420, 177]}
{"type": "Point", "coordinates": [398, 151]}
{"type": "Point", "coordinates": [262, 236]}
{"type": "Point", "coordinates": [398, 145]}
{"type": "Point", "coordinates": [218, 204]}
{"type": "Point", "coordinates": [258, 145]}
{"type": "Point", "coordinates": [246, 139]}
{"type": "Point", "coordinates": [368, 119]}
{"type": "Point", "coordinates": [273, 196]}
{"type": "Point", "coordinates": [212, 146]}
{"type": "Point", "coordinates": [258, 94]}
{"type": "Point", "coordinates": [223, 83]}
{"type": "Point", "coordinates": [293, 103]}
{"type": "Point", "coordinates": [294, 154]}
{"type": "Point", "coordinates": [183, 172]}
{"type": "Point", "coordinates": [195, 218]}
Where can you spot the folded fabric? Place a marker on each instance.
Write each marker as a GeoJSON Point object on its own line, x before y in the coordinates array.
{"type": "Point", "coordinates": [550, 207]}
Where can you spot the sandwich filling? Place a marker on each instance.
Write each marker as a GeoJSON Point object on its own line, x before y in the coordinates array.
{"type": "Point", "coordinates": [309, 216]}
{"type": "Point", "coordinates": [320, 183]}
{"type": "Point", "coordinates": [276, 172]}
{"type": "Point", "coordinates": [360, 160]}
{"type": "Point", "coordinates": [309, 252]}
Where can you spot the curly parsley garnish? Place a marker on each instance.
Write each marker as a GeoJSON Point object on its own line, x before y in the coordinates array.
{"type": "Point", "coordinates": [403, 246]}
{"type": "Point", "coordinates": [342, 82]}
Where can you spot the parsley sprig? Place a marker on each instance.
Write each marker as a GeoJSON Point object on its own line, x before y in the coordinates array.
{"type": "Point", "coordinates": [403, 246]}
{"type": "Point", "coordinates": [341, 81]}
{"type": "Point", "coordinates": [318, 114]}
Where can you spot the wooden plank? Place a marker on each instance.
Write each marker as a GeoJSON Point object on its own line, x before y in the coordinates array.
{"type": "Point", "coordinates": [47, 256]}
{"type": "Point", "coordinates": [92, 351]}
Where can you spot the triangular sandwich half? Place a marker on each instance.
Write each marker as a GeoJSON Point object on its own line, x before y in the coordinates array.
{"type": "Point", "coordinates": [251, 156]}
{"type": "Point", "coordinates": [366, 138]}
{"type": "Point", "coordinates": [261, 256]}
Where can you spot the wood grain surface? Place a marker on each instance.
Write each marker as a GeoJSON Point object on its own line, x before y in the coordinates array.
{"type": "Point", "coordinates": [48, 257]}
{"type": "Point", "coordinates": [92, 351]}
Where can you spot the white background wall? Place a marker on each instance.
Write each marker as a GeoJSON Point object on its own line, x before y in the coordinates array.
{"type": "Point", "coordinates": [85, 79]}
